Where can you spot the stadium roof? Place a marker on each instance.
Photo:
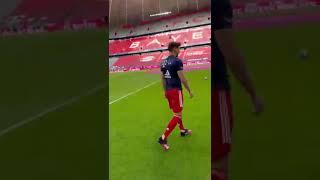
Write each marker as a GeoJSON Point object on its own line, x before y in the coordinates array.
{"type": "Point", "coordinates": [135, 11]}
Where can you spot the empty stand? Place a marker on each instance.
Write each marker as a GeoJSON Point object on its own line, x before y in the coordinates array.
{"type": "Point", "coordinates": [173, 23]}
{"type": "Point", "coordinates": [188, 37]}
{"type": "Point", "coordinates": [190, 57]}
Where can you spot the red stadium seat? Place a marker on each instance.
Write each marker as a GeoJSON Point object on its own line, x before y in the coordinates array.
{"type": "Point", "coordinates": [191, 36]}
{"type": "Point", "coordinates": [191, 56]}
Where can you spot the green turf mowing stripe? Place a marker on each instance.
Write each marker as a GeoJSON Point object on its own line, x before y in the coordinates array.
{"type": "Point", "coordinates": [135, 125]}
{"type": "Point", "coordinates": [50, 110]}
{"type": "Point", "coordinates": [131, 93]}
{"type": "Point", "coordinates": [70, 143]}
{"type": "Point", "coordinates": [40, 71]}
{"type": "Point", "coordinates": [283, 143]}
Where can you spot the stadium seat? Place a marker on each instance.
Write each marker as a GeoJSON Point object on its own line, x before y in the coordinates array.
{"type": "Point", "coordinates": [188, 37]}
{"type": "Point", "coordinates": [173, 23]}
{"type": "Point", "coordinates": [191, 57]}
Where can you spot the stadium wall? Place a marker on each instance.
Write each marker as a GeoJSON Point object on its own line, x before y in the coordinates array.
{"type": "Point", "coordinates": [159, 50]}
{"type": "Point", "coordinates": [157, 32]}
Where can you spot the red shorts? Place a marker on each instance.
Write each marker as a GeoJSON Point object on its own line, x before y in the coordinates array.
{"type": "Point", "coordinates": [221, 124]}
{"type": "Point", "coordinates": [175, 99]}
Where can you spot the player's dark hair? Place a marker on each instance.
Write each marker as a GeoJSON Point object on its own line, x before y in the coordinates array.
{"type": "Point", "coordinates": [173, 45]}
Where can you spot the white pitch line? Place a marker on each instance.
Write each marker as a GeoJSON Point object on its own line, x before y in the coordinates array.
{"type": "Point", "coordinates": [49, 110]}
{"type": "Point", "coordinates": [133, 92]}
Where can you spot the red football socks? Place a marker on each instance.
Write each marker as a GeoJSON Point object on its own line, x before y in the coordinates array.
{"type": "Point", "coordinates": [180, 124]}
{"type": "Point", "coordinates": [172, 124]}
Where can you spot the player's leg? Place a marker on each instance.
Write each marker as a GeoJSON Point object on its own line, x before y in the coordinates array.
{"type": "Point", "coordinates": [175, 99]}
{"type": "Point", "coordinates": [178, 108]}
{"type": "Point", "coordinates": [183, 131]}
{"type": "Point", "coordinates": [180, 123]}
{"type": "Point", "coordinates": [172, 124]}
{"type": "Point", "coordinates": [178, 112]}
{"type": "Point", "coordinates": [221, 134]}
{"type": "Point", "coordinates": [174, 104]}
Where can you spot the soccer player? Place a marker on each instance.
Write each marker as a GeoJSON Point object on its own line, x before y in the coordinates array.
{"type": "Point", "coordinates": [172, 76]}
{"type": "Point", "coordinates": [226, 55]}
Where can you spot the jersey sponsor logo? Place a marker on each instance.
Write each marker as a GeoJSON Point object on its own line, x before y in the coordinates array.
{"type": "Point", "coordinates": [165, 63]}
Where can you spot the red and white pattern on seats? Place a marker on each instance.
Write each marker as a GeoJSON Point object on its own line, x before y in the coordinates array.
{"type": "Point", "coordinates": [191, 36]}
{"type": "Point", "coordinates": [190, 56]}
{"type": "Point", "coordinates": [197, 55]}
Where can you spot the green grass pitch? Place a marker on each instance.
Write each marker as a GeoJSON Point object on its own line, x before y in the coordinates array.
{"type": "Point", "coordinates": [42, 71]}
{"type": "Point", "coordinates": [284, 142]}
{"type": "Point", "coordinates": [281, 144]}
{"type": "Point", "coordinates": [137, 121]}
{"type": "Point", "coordinates": [71, 142]}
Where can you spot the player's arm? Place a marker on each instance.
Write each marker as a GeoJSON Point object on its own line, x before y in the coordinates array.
{"type": "Point", "coordinates": [234, 59]}
{"type": "Point", "coordinates": [236, 62]}
{"type": "Point", "coordinates": [185, 83]}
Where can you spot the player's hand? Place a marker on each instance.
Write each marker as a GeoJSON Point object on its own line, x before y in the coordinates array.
{"type": "Point", "coordinates": [258, 105]}
{"type": "Point", "coordinates": [191, 95]}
